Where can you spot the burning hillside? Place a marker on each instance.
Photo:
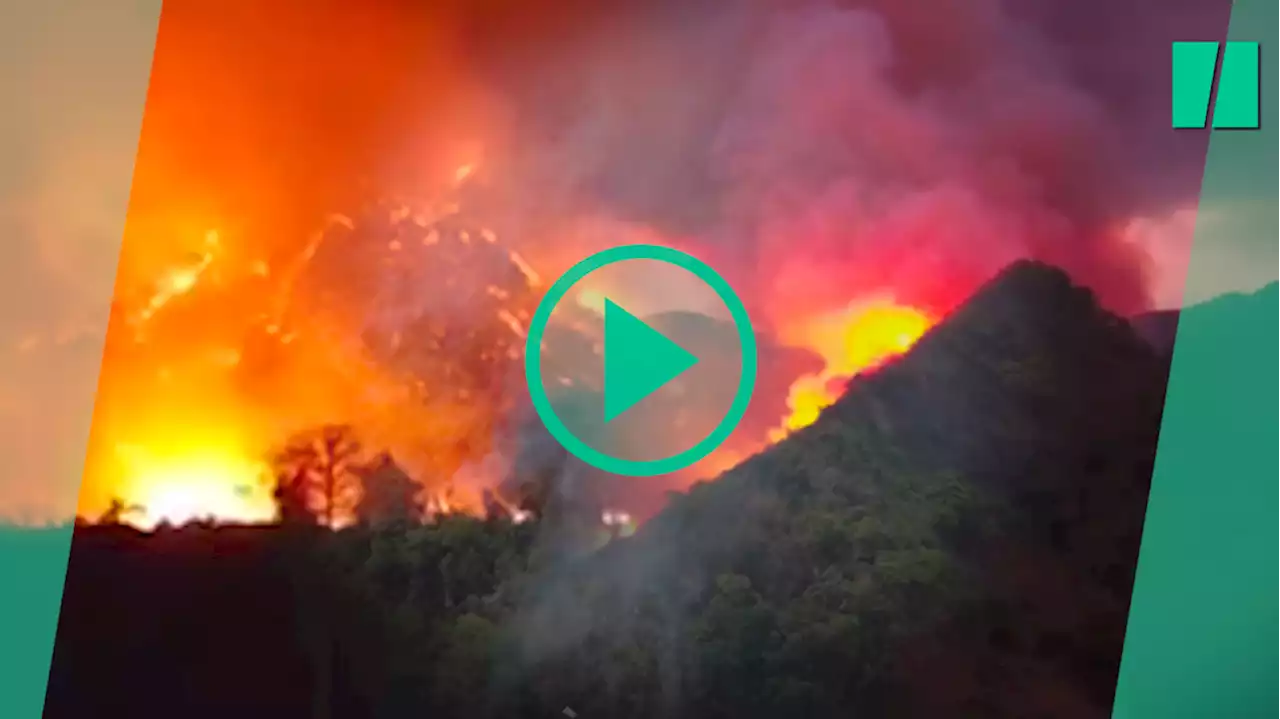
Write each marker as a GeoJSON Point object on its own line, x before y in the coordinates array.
{"type": "Point", "coordinates": [1004, 461]}
{"type": "Point", "coordinates": [226, 355]}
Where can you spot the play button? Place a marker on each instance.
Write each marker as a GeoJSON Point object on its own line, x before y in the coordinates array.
{"type": "Point", "coordinates": [640, 360]}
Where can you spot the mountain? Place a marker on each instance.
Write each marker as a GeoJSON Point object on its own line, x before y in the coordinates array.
{"type": "Point", "coordinates": [956, 536]}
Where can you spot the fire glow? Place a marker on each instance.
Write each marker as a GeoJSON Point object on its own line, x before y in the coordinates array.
{"type": "Point", "coordinates": [185, 421]}
{"type": "Point", "coordinates": [850, 211]}
{"type": "Point", "coordinates": [857, 339]}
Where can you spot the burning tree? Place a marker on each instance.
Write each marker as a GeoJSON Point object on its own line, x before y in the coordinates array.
{"type": "Point", "coordinates": [434, 307]}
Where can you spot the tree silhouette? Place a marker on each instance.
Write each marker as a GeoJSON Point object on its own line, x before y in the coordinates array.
{"type": "Point", "coordinates": [317, 476]}
{"type": "Point", "coordinates": [118, 510]}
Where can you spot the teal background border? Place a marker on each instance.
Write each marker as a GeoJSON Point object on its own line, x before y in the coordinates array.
{"type": "Point", "coordinates": [1204, 622]}
{"type": "Point", "coordinates": [33, 564]}
{"type": "Point", "coordinates": [76, 75]}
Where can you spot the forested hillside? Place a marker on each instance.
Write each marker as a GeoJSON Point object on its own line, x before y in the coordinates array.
{"type": "Point", "coordinates": [955, 537]}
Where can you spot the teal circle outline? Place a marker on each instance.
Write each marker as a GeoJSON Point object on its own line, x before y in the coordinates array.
{"type": "Point", "coordinates": [542, 402]}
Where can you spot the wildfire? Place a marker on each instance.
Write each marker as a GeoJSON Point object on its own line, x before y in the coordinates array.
{"type": "Point", "coordinates": [221, 348]}
{"type": "Point", "coordinates": [220, 359]}
{"type": "Point", "coordinates": [189, 408]}
{"type": "Point", "coordinates": [236, 322]}
{"type": "Point", "coordinates": [857, 339]}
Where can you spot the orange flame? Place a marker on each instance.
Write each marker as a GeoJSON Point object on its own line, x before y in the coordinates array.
{"type": "Point", "coordinates": [193, 480]}
{"type": "Point", "coordinates": [178, 436]}
{"type": "Point", "coordinates": [213, 361]}
{"type": "Point", "coordinates": [857, 339]}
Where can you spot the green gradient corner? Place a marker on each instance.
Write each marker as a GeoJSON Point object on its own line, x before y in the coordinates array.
{"type": "Point", "coordinates": [77, 73]}
{"type": "Point", "coordinates": [33, 563]}
{"type": "Point", "coordinates": [1205, 615]}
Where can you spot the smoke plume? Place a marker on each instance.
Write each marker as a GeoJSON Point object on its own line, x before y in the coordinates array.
{"type": "Point", "coordinates": [817, 154]}
{"type": "Point", "coordinates": [815, 150]}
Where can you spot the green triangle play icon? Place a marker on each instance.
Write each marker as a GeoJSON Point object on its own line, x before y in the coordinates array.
{"type": "Point", "coordinates": [638, 360]}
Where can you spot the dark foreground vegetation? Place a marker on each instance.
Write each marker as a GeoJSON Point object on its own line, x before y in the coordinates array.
{"type": "Point", "coordinates": [956, 537]}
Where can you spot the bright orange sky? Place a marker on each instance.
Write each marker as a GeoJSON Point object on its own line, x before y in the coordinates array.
{"type": "Point", "coordinates": [235, 113]}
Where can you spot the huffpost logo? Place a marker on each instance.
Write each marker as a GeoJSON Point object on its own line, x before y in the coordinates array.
{"type": "Point", "coordinates": [1235, 102]}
